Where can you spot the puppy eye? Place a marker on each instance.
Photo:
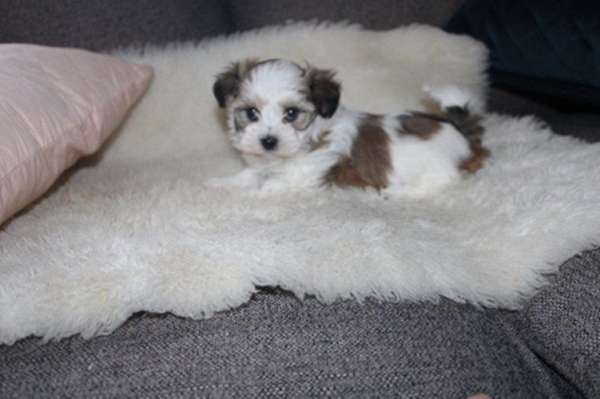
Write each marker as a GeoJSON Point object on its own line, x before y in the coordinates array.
{"type": "Point", "coordinates": [291, 114]}
{"type": "Point", "coordinates": [252, 114]}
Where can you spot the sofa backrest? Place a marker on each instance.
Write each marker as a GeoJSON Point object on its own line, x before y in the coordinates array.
{"type": "Point", "coordinates": [372, 14]}
{"type": "Point", "coordinates": [108, 24]}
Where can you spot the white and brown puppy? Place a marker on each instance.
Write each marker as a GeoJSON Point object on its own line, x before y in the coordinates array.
{"type": "Point", "coordinates": [287, 123]}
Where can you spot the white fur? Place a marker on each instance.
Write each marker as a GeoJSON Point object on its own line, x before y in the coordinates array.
{"type": "Point", "coordinates": [272, 85]}
{"type": "Point", "coordinates": [138, 230]}
{"type": "Point", "coordinates": [423, 168]}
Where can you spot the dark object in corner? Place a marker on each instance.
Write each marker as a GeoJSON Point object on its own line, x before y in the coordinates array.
{"type": "Point", "coordinates": [548, 50]}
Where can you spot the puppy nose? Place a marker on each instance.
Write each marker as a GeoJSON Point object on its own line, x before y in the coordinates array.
{"type": "Point", "coordinates": [269, 142]}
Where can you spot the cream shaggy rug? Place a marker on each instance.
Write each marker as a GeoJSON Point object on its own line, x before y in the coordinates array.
{"type": "Point", "coordinates": [136, 229]}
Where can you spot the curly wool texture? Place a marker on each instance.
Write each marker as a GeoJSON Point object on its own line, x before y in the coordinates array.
{"type": "Point", "coordinates": [137, 230]}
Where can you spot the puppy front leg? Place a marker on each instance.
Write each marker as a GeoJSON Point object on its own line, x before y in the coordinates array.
{"type": "Point", "coordinates": [247, 179]}
{"type": "Point", "coordinates": [275, 185]}
{"type": "Point", "coordinates": [303, 174]}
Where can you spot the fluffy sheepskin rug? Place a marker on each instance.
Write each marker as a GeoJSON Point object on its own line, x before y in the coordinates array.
{"type": "Point", "coordinates": [136, 230]}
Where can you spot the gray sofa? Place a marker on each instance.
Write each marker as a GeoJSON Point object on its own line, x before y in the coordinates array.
{"type": "Point", "coordinates": [278, 345]}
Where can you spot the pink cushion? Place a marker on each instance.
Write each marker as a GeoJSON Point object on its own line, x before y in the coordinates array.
{"type": "Point", "coordinates": [57, 105]}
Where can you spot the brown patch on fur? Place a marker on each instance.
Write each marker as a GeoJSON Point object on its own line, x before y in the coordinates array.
{"type": "Point", "coordinates": [470, 126]}
{"type": "Point", "coordinates": [323, 91]}
{"type": "Point", "coordinates": [475, 162]}
{"type": "Point", "coordinates": [228, 82]}
{"type": "Point", "coordinates": [322, 141]}
{"type": "Point", "coordinates": [424, 126]}
{"type": "Point", "coordinates": [369, 162]}
{"type": "Point", "coordinates": [345, 174]}
{"type": "Point", "coordinates": [466, 123]}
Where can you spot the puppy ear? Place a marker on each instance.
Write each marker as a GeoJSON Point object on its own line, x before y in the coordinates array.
{"type": "Point", "coordinates": [228, 82]}
{"type": "Point", "coordinates": [324, 91]}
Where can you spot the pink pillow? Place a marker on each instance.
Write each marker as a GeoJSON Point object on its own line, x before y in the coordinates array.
{"type": "Point", "coordinates": [57, 105]}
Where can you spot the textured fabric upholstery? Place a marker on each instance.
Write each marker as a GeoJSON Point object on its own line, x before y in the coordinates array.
{"type": "Point", "coordinates": [581, 124]}
{"type": "Point", "coordinates": [561, 325]}
{"type": "Point", "coordinates": [108, 24]}
{"type": "Point", "coordinates": [277, 346]}
{"type": "Point", "coordinates": [380, 14]}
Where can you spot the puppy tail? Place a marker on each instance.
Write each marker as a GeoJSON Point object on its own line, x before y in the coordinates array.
{"type": "Point", "coordinates": [448, 96]}
{"type": "Point", "coordinates": [456, 105]}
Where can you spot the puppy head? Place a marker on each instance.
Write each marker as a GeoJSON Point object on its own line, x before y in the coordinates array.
{"type": "Point", "coordinates": [272, 105]}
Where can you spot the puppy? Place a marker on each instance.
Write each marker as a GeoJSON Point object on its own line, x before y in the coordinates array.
{"type": "Point", "coordinates": [287, 124]}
